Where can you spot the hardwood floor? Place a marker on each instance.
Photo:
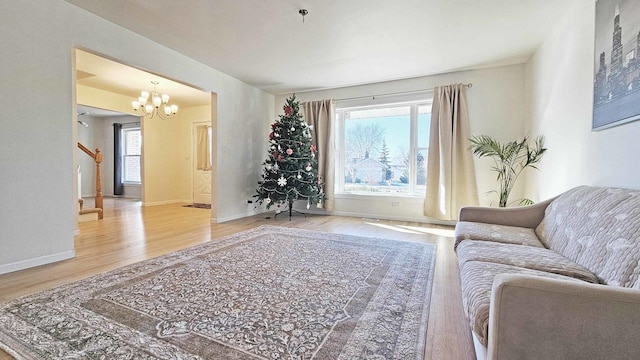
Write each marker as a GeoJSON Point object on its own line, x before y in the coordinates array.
{"type": "Point", "coordinates": [130, 233]}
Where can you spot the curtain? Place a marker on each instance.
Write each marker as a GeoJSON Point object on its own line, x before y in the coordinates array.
{"type": "Point", "coordinates": [320, 115]}
{"type": "Point", "coordinates": [451, 179]}
{"type": "Point", "coordinates": [118, 188]}
{"type": "Point", "coordinates": [203, 161]}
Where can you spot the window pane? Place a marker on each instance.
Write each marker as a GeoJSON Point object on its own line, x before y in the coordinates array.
{"type": "Point", "coordinates": [424, 124]}
{"type": "Point", "coordinates": [376, 152]}
{"type": "Point", "coordinates": [133, 142]}
{"type": "Point", "coordinates": [131, 168]}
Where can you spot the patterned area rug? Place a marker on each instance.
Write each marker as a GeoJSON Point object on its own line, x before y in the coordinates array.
{"type": "Point", "coordinates": [266, 293]}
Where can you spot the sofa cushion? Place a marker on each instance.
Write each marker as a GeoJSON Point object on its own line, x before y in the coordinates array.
{"type": "Point", "coordinates": [534, 258]}
{"type": "Point", "coordinates": [497, 233]}
{"type": "Point", "coordinates": [598, 228]}
{"type": "Point", "coordinates": [477, 279]}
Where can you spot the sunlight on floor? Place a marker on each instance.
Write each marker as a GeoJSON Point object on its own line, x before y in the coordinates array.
{"type": "Point", "coordinates": [433, 231]}
{"type": "Point", "coordinates": [414, 229]}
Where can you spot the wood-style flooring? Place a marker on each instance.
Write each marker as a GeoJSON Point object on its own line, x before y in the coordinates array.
{"type": "Point", "coordinates": [130, 233]}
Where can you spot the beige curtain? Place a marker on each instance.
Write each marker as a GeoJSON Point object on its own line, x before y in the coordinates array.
{"type": "Point", "coordinates": [203, 160]}
{"type": "Point", "coordinates": [451, 179]}
{"type": "Point", "coordinates": [320, 115]}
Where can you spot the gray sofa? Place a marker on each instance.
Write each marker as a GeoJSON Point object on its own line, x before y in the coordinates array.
{"type": "Point", "coordinates": [556, 280]}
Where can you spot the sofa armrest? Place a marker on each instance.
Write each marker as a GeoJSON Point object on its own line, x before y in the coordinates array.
{"type": "Point", "coordinates": [522, 216]}
{"type": "Point", "coordinates": [540, 318]}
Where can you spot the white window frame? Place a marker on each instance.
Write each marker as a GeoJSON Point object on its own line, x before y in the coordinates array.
{"type": "Point", "coordinates": [125, 155]}
{"type": "Point", "coordinates": [414, 105]}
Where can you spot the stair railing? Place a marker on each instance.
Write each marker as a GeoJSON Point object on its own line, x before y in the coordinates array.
{"type": "Point", "coordinates": [97, 157]}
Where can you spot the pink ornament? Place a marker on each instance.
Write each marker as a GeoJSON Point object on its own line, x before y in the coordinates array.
{"type": "Point", "coordinates": [289, 151]}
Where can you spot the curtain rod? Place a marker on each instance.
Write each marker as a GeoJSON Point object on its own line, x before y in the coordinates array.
{"type": "Point", "coordinates": [373, 97]}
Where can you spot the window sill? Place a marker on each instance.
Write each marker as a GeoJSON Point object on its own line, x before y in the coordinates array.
{"type": "Point", "coordinates": [376, 196]}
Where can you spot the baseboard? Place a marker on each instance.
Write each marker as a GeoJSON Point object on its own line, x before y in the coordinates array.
{"type": "Point", "coordinates": [424, 220]}
{"type": "Point", "coordinates": [235, 216]}
{"type": "Point", "coordinates": [42, 260]}
{"type": "Point", "coordinates": [165, 202]}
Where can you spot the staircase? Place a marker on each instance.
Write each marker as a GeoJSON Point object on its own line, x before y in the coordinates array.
{"type": "Point", "coordinates": [90, 214]}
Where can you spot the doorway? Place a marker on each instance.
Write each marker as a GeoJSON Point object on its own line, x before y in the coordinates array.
{"type": "Point", "coordinates": [202, 155]}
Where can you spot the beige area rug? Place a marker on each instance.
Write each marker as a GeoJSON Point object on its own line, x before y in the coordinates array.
{"type": "Point", "coordinates": [266, 293]}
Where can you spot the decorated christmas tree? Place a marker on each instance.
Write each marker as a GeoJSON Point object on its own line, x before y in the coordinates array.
{"type": "Point", "coordinates": [291, 170]}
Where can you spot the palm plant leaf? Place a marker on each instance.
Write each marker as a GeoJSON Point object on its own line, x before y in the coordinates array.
{"type": "Point", "coordinates": [510, 159]}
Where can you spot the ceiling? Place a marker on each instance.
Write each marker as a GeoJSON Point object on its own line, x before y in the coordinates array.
{"type": "Point", "coordinates": [98, 72]}
{"type": "Point", "coordinates": [265, 43]}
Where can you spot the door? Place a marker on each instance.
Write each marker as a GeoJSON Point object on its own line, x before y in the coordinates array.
{"type": "Point", "coordinates": [202, 145]}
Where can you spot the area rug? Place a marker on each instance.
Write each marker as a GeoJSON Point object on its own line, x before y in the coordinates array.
{"type": "Point", "coordinates": [265, 293]}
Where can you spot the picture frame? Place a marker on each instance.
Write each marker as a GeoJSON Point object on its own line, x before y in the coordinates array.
{"type": "Point", "coordinates": [616, 83]}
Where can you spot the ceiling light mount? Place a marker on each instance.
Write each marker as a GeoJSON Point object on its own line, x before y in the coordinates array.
{"type": "Point", "coordinates": [303, 12]}
{"type": "Point", "coordinates": [157, 100]}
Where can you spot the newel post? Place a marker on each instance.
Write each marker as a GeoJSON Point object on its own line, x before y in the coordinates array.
{"type": "Point", "coordinates": [99, 183]}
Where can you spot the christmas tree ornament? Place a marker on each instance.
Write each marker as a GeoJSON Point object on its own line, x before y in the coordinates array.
{"type": "Point", "coordinates": [267, 200]}
{"type": "Point", "coordinates": [299, 176]}
{"type": "Point", "coordinates": [289, 151]}
{"type": "Point", "coordinates": [308, 168]}
{"type": "Point", "coordinates": [282, 181]}
{"type": "Point", "coordinates": [293, 129]}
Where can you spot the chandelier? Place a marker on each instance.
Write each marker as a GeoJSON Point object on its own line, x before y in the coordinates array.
{"type": "Point", "coordinates": [159, 104]}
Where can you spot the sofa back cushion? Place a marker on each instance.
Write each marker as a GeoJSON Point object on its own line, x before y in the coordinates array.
{"type": "Point", "coordinates": [598, 228]}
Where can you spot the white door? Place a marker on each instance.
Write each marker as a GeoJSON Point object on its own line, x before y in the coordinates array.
{"type": "Point", "coordinates": [201, 178]}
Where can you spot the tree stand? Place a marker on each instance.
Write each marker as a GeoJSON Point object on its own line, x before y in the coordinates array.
{"type": "Point", "coordinates": [291, 211]}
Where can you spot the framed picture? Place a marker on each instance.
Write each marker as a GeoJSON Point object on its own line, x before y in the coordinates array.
{"type": "Point", "coordinates": [616, 90]}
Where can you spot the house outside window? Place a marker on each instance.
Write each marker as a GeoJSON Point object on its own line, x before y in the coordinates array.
{"type": "Point", "coordinates": [131, 153]}
{"type": "Point", "coordinates": [382, 149]}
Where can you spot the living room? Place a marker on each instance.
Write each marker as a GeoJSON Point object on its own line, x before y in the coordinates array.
{"type": "Point", "coordinates": [549, 92]}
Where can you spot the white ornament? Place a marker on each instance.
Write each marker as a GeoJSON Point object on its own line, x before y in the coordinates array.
{"type": "Point", "coordinates": [293, 129]}
{"type": "Point", "coordinates": [308, 205]}
{"type": "Point", "coordinates": [282, 181]}
{"type": "Point", "coordinates": [299, 176]}
{"type": "Point", "coordinates": [267, 200]}
{"type": "Point", "coordinates": [308, 168]}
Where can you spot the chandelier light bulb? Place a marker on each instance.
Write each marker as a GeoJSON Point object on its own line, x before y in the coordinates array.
{"type": "Point", "coordinates": [159, 104]}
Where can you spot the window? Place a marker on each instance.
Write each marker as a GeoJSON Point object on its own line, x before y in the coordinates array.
{"type": "Point", "coordinates": [132, 149]}
{"type": "Point", "coordinates": [382, 149]}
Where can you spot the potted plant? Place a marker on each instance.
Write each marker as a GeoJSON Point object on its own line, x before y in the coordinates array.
{"type": "Point", "coordinates": [510, 159]}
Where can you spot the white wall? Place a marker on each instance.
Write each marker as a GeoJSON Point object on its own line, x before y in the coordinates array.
{"type": "Point", "coordinates": [37, 142]}
{"type": "Point", "coordinates": [496, 107]}
{"type": "Point", "coordinates": [560, 88]}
